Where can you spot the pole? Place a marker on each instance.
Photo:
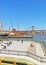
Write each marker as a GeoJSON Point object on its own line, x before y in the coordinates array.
{"type": "Point", "coordinates": [0, 61]}
{"type": "Point", "coordinates": [14, 62]}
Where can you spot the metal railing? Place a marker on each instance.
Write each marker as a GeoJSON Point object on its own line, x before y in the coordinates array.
{"type": "Point", "coordinates": [23, 53]}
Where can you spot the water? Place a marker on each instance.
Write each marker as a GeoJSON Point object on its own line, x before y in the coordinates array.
{"type": "Point", "coordinates": [37, 37]}
{"type": "Point", "coordinates": [41, 38]}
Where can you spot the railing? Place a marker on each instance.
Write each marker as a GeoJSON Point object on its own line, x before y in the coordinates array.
{"type": "Point", "coordinates": [23, 53]}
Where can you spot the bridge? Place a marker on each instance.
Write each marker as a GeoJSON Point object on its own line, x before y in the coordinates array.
{"type": "Point", "coordinates": [30, 30]}
{"type": "Point", "coordinates": [33, 30]}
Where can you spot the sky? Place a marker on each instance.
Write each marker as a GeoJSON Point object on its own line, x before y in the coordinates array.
{"type": "Point", "coordinates": [23, 14]}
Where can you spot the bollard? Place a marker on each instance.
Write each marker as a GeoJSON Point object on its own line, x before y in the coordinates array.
{"type": "Point", "coordinates": [0, 61]}
{"type": "Point", "coordinates": [14, 62]}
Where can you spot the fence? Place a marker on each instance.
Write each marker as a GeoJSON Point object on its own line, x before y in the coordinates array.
{"type": "Point", "coordinates": [23, 53]}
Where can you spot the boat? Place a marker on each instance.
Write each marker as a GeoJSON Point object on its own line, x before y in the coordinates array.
{"type": "Point", "coordinates": [5, 34]}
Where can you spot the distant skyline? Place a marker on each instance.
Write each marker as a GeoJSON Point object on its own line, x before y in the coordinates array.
{"type": "Point", "coordinates": [23, 14]}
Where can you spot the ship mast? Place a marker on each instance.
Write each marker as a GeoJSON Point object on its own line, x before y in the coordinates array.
{"type": "Point", "coordinates": [11, 23]}
{"type": "Point", "coordinates": [1, 26]}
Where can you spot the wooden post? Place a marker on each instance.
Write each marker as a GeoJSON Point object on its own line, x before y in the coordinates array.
{"type": "Point", "coordinates": [0, 61]}
{"type": "Point", "coordinates": [14, 62]}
